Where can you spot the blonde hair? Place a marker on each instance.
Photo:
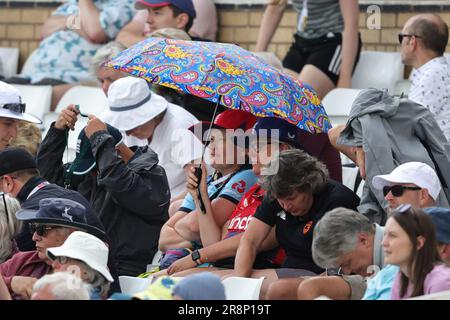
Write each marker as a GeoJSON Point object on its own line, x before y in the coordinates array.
{"type": "Point", "coordinates": [9, 226]}
{"type": "Point", "coordinates": [29, 137]}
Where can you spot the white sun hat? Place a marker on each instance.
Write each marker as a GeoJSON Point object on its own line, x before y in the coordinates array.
{"type": "Point", "coordinates": [132, 104]}
{"type": "Point", "coordinates": [86, 248]}
{"type": "Point", "coordinates": [11, 105]}
{"type": "Point", "coordinates": [418, 173]}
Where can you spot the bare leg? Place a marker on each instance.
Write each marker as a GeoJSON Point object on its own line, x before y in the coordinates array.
{"type": "Point", "coordinates": [217, 271]}
{"type": "Point", "coordinates": [316, 79]}
{"type": "Point", "coordinates": [57, 93]}
{"type": "Point", "coordinates": [174, 206]}
{"type": "Point", "coordinates": [333, 287]}
{"type": "Point", "coordinates": [333, 135]}
{"type": "Point", "coordinates": [284, 289]}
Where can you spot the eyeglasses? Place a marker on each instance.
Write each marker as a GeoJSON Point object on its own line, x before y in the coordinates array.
{"type": "Point", "coordinates": [403, 35]}
{"type": "Point", "coordinates": [333, 272]}
{"type": "Point", "coordinates": [62, 259]}
{"type": "Point", "coordinates": [41, 229]}
{"type": "Point", "coordinates": [397, 190]}
{"type": "Point", "coordinates": [6, 207]}
{"type": "Point", "coordinates": [14, 107]}
{"type": "Point", "coordinates": [403, 208]}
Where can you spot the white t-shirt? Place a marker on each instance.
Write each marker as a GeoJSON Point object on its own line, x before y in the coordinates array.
{"type": "Point", "coordinates": [431, 87]}
{"type": "Point", "coordinates": [176, 146]}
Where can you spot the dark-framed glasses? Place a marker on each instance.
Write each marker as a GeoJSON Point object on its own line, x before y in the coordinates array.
{"type": "Point", "coordinates": [404, 35]}
{"type": "Point", "coordinates": [6, 207]}
{"type": "Point", "coordinates": [41, 229]}
{"type": "Point", "coordinates": [14, 107]}
{"type": "Point", "coordinates": [397, 190]}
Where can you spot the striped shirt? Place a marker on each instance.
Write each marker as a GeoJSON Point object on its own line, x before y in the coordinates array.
{"type": "Point", "coordinates": [323, 16]}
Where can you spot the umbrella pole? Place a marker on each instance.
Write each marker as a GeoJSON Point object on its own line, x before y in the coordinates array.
{"type": "Point", "coordinates": [198, 170]}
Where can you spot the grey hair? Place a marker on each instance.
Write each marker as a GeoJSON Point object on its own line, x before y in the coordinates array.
{"type": "Point", "coordinates": [9, 226]}
{"type": "Point", "coordinates": [336, 234]}
{"type": "Point", "coordinates": [97, 281]}
{"type": "Point", "coordinates": [104, 54]}
{"type": "Point", "coordinates": [64, 286]}
{"type": "Point", "coordinates": [297, 171]}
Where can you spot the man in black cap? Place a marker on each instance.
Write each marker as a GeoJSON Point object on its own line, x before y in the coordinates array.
{"type": "Point", "coordinates": [21, 179]}
{"type": "Point", "coordinates": [127, 188]}
{"type": "Point", "coordinates": [51, 225]}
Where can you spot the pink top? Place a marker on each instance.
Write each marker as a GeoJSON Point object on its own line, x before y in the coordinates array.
{"type": "Point", "coordinates": [436, 281]}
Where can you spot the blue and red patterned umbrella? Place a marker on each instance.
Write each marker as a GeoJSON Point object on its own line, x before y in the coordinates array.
{"type": "Point", "coordinates": [227, 74]}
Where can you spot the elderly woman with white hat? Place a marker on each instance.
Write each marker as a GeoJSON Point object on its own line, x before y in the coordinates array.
{"type": "Point", "coordinates": [12, 110]}
{"type": "Point", "coordinates": [87, 257]}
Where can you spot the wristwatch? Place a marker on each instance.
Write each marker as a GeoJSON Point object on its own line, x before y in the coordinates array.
{"type": "Point", "coordinates": [195, 255]}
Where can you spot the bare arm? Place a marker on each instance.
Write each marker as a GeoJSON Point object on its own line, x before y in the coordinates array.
{"type": "Point", "coordinates": [53, 24]}
{"type": "Point", "coordinates": [249, 246]}
{"type": "Point", "coordinates": [132, 33]}
{"type": "Point", "coordinates": [90, 22]}
{"type": "Point", "coordinates": [169, 238]}
{"type": "Point", "coordinates": [4, 292]}
{"type": "Point", "coordinates": [269, 23]}
{"type": "Point", "coordinates": [350, 41]}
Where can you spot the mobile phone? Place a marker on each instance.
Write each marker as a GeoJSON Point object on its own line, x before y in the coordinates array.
{"type": "Point", "coordinates": [77, 106]}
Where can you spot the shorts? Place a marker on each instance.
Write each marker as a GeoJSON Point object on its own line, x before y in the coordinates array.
{"type": "Point", "coordinates": [325, 53]}
{"type": "Point", "coordinates": [357, 284]}
{"type": "Point", "coordinates": [293, 273]}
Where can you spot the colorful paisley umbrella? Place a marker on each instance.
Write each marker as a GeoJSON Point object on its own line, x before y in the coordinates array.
{"type": "Point", "coordinates": [227, 74]}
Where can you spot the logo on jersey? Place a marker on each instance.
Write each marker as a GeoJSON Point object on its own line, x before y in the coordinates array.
{"type": "Point", "coordinates": [307, 227]}
{"type": "Point", "coordinates": [282, 215]}
{"type": "Point", "coordinates": [239, 186]}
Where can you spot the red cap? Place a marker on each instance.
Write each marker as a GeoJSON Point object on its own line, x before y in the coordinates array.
{"type": "Point", "coordinates": [229, 119]}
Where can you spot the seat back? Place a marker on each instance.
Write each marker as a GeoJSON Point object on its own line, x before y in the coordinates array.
{"type": "Point", "coordinates": [338, 103]}
{"type": "Point", "coordinates": [378, 70]}
{"type": "Point", "coordinates": [240, 288]}
{"type": "Point", "coordinates": [36, 98]}
{"type": "Point", "coordinates": [132, 285]}
{"type": "Point", "coordinates": [9, 60]}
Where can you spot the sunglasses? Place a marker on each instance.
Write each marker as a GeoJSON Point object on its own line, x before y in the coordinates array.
{"type": "Point", "coordinates": [14, 107]}
{"type": "Point", "coordinates": [404, 35]}
{"type": "Point", "coordinates": [397, 190]}
{"type": "Point", "coordinates": [41, 229]}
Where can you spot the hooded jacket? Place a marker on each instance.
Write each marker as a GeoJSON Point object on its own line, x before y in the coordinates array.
{"type": "Point", "coordinates": [392, 130]}
{"type": "Point", "coordinates": [131, 200]}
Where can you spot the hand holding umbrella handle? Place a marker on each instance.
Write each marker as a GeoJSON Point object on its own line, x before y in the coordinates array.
{"type": "Point", "coordinates": [198, 175]}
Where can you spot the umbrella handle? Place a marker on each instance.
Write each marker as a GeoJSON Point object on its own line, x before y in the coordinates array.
{"type": "Point", "coordinates": [198, 175]}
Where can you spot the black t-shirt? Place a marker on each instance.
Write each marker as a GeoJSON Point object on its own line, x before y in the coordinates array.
{"type": "Point", "coordinates": [295, 234]}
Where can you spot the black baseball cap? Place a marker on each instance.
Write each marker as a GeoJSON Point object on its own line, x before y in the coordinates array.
{"type": "Point", "coordinates": [15, 159]}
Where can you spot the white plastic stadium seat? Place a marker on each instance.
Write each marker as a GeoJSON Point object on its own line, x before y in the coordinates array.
{"type": "Point", "coordinates": [9, 60]}
{"type": "Point", "coordinates": [338, 103]}
{"type": "Point", "coordinates": [378, 70]}
{"type": "Point", "coordinates": [133, 285]}
{"type": "Point", "coordinates": [240, 288]}
{"type": "Point", "coordinates": [92, 100]}
{"type": "Point", "coordinates": [37, 98]}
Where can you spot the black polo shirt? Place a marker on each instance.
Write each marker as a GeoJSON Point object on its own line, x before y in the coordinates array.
{"type": "Point", "coordinates": [295, 234]}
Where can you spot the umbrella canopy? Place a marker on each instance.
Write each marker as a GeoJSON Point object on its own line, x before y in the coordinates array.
{"type": "Point", "coordinates": [225, 74]}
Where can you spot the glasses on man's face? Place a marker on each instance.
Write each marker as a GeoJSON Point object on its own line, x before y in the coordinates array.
{"type": "Point", "coordinates": [62, 259]}
{"type": "Point", "coordinates": [6, 207]}
{"type": "Point", "coordinates": [404, 35]}
{"type": "Point", "coordinates": [14, 107]}
{"type": "Point", "coordinates": [333, 272]}
{"type": "Point", "coordinates": [397, 190]}
{"type": "Point", "coordinates": [41, 229]}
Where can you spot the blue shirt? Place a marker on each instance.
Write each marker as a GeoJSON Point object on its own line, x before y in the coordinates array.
{"type": "Point", "coordinates": [379, 287]}
{"type": "Point", "coordinates": [233, 190]}
{"type": "Point", "coordinates": [65, 55]}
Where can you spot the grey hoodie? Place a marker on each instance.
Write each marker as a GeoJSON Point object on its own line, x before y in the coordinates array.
{"type": "Point", "coordinates": [392, 131]}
